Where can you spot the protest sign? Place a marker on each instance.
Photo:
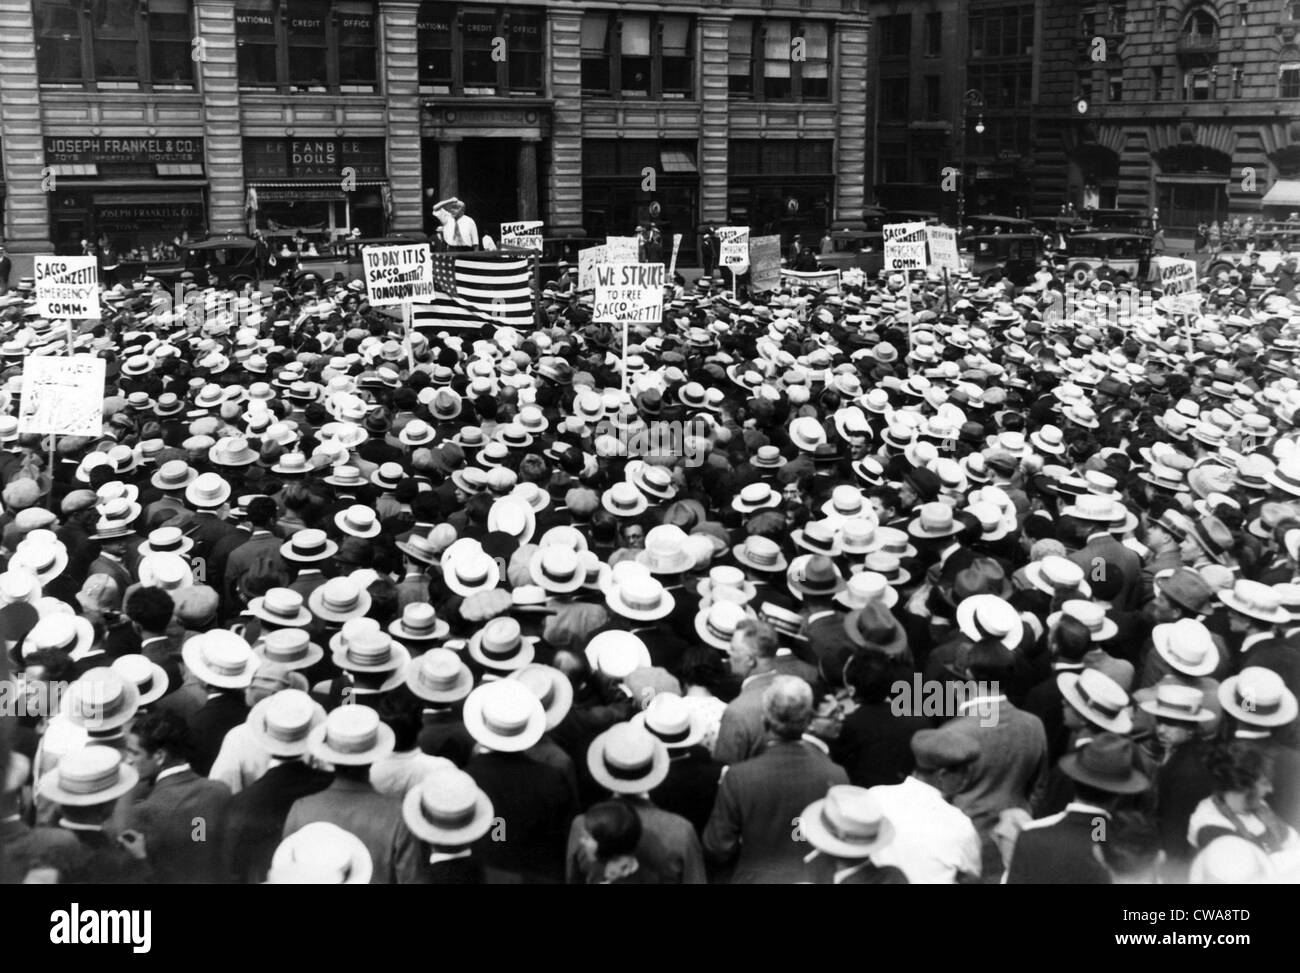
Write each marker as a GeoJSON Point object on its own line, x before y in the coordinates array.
{"type": "Point", "coordinates": [1177, 276]}
{"type": "Point", "coordinates": [395, 275]}
{"type": "Point", "coordinates": [942, 241]}
{"type": "Point", "coordinates": [821, 280]}
{"type": "Point", "coordinates": [525, 234]}
{"type": "Point", "coordinates": [765, 262]}
{"type": "Point", "coordinates": [622, 249]}
{"type": "Point", "coordinates": [63, 396]}
{"type": "Point", "coordinates": [588, 261]}
{"type": "Point", "coordinates": [629, 293]}
{"type": "Point", "coordinates": [67, 287]}
{"type": "Point", "coordinates": [904, 246]}
{"type": "Point", "coordinates": [734, 250]}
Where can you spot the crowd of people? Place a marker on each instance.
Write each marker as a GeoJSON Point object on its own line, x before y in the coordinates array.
{"type": "Point", "coordinates": [916, 584]}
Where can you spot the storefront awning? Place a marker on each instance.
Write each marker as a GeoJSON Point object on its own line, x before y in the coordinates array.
{"type": "Point", "coordinates": [141, 198]}
{"type": "Point", "coordinates": [677, 160]}
{"type": "Point", "coordinates": [1284, 192]}
{"type": "Point", "coordinates": [1193, 179]}
{"type": "Point", "coordinates": [296, 190]}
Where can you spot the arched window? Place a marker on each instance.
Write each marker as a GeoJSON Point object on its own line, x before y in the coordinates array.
{"type": "Point", "coordinates": [1201, 22]}
{"type": "Point", "coordinates": [1293, 11]}
{"type": "Point", "coordinates": [1288, 72]}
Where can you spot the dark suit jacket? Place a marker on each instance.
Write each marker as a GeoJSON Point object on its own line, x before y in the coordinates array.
{"type": "Point", "coordinates": [211, 724]}
{"type": "Point", "coordinates": [183, 820]}
{"type": "Point", "coordinates": [373, 817]}
{"type": "Point", "coordinates": [757, 810]}
{"type": "Point", "coordinates": [1100, 549]}
{"type": "Point", "coordinates": [87, 858]}
{"type": "Point", "coordinates": [1182, 782]}
{"type": "Point", "coordinates": [536, 805]}
{"type": "Point", "coordinates": [444, 735]}
{"type": "Point", "coordinates": [875, 746]}
{"type": "Point", "coordinates": [691, 786]}
{"type": "Point", "coordinates": [1059, 851]}
{"type": "Point", "coordinates": [244, 556]}
{"type": "Point", "coordinates": [257, 814]}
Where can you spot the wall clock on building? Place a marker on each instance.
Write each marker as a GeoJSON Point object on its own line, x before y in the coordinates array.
{"type": "Point", "coordinates": [1081, 106]}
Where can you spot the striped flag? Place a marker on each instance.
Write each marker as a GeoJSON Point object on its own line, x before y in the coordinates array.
{"type": "Point", "coordinates": [499, 287]}
{"type": "Point", "coordinates": [445, 312]}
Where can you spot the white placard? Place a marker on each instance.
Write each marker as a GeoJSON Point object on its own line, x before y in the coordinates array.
{"type": "Point", "coordinates": [765, 262]}
{"type": "Point", "coordinates": [67, 287]}
{"type": "Point", "coordinates": [1177, 276]}
{"type": "Point", "coordinates": [677, 245]}
{"type": "Point", "coordinates": [588, 261]}
{"type": "Point", "coordinates": [733, 251]}
{"type": "Point", "coordinates": [822, 280]}
{"type": "Point", "coordinates": [524, 234]}
{"type": "Point", "coordinates": [622, 249]}
{"type": "Point", "coordinates": [629, 293]}
{"type": "Point", "coordinates": [942, 241]}
{"type": "Point", "coordinates": [63, 396]}
{"type": "Point", "coordinates": [396, 275]}
{"type": "Point", "coordinates": [904, 246]}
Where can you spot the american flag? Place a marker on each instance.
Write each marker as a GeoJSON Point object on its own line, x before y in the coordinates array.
{"type": "Point", "coordinates": [479, 289]}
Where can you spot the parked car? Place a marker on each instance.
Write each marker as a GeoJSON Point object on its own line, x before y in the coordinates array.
{"type": "Point", "coordinates": [1019, 254]}
{"type": "Point", "coordinates": [855, 249]}
{"type": "Point", "coordinates": [1126, 253]}
{"type": "Point", "coordinates": [227, 262]}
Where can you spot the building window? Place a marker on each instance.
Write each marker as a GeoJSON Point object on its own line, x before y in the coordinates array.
{"type": "Point", "coordinates": [1288, 80]}
{"type": "Point", "coordinates": [1006, 32]}
{"type": "Point", "coordinates": [1238, 80]}
{"type": "Point", "coordinates": [1293, 11]}
{"type": "Point", "coordinates": [761, 61]}
{"type": "Point", "coordinates": [896, 35]}
{"type": "Point", "coordinates": [612, 199]}
{"type": "Point", "coordinates": [893, 99]}
{"type": "Point", "coordinates": [1117, 18]}
{"type": "Point", "coordinates": [114, 44]}
{"type": "Point", "coordinates": [894, 168]}
{"type": "Point", "coordinates": [1085, 85]}
{"type": "Point", "coordinates": [934, 34]}
{"type": "Point", "coordinates": [1200, 25]}
{"type": "Point", "coordinates": [307, 45]}
{"type": "Point", "coordinates": [1115, 86]}
{"type": "Point", "coordinates": [1157, 83]}
{"type": "Point", "coordinates": [633, 55]}
{"type": "Point", "coordinates": [765, 176]}
{"type": "Point", "coordinates": [1007, 85]}
{"type": "Point", "coordinates": [931, 95]}
{"type": "Point", "coordinates": [1087, 25]}
{"type": "Point", "coordinates": [1196, 86]}
{"type": "Point", "coordinates": [458, 50]}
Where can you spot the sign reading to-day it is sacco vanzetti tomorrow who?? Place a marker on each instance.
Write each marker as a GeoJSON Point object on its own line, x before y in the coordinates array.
{"type": "Point", "coordinates": [630, 293]}
{"type": "Point", "coordinates": [395, 275]}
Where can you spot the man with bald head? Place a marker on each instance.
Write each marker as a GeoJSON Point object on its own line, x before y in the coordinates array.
{"type": "Point", "coordinates": [753, 824]}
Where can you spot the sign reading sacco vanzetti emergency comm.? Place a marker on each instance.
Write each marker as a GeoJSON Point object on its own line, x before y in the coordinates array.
{"type": "Point", "coordinates": [67, 287]}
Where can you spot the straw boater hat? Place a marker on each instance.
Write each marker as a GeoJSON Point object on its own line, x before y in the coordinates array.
{"type": "Point", "coordinates": [439, 676]}
{"type": "Point", "coordinates": [65, 631]}
{"type": "Point", "coordinates": [760, 553]}
{"type": "Point", "coordinates": [628, 759]}
{"type": "Point", "coordinates": [982, 617]}
{"type": "Point", "coordinates": [726, 583]}
{"type": "Point", "coordinates": [556, 569]}
{"type": "Point", "coordinates": [351, 736]}
{"type": "Point", "coordinates": [551, 687]}
{"type": "Point", "coordinates": [282, 723]}
{"type": "Point", "coordinates": [281, 606]}
{"type": "Point", "coordinates": [716, 625]}
{"type": "Point", "coordinates": [419, 623]}
{"type": "Point", "coordinates": [220, 658]}
{"type": "Point", "coordinates": [500, 645]}
{"type": "Point", "coordinates": [339, 600]}
{"type": "Point", "coordinates": [1187, 646]}
{"type": "Point", "coordinates": [1255, 600]}
{"type": "Point", "coordinates": [754, 497]}
{"type": "Point", "coordinates": [166, 540]}
{"type": "Point", "coordinates": [148, 678]}
{"type": "Point", "coordinates": [467, 568]}
{"type": "Point", "coordinates": [666, 550]}
{"type": "Point", "coordinates": [847, 823]}
{"type": "Point", "coordinates": [289, 647]}
{"type": "Point", "coordinates": [87, 777]}
{"type": "Point", "coordinates": [669, 718]}
{"type": "Point", "coordinates": [505, 716]}
{"type": "Point", "coordinates": [321, 853]}
{"type": "Point", "coordinates": [1179, 704]}
{"type": "Point", "coordinates": [865, 587]}
{"type": "Point", "coordinates": [100, 700]}
{"type": "Point", "coordinates": [616, 654]}
{"type": "Point", "coordinates": [447, 809]}
{"type": "Point", "coordinates": [640, 598]}
{"type": "Point", "coordinates": [934, 521]}
{"type": "Point", "coordinates": [1055, 575]}
{"type": "Point", "coordinates": [1101, 628]}
{"type": "Point", "coordinates": [308, 547]}
{"type": "Point", "coordinates": [1258, 697]}
{"type": "Point", "coordinates": [1098, 698]}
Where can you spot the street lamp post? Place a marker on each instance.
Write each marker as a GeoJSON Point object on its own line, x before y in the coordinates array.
{"type": "Point", "coordinates": [972, 99]}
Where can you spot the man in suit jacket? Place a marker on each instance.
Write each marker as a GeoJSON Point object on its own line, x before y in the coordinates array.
{"type": "Point", "coordinates": [182, 816]}
{"type": "Point", "coordinates": [225, 706]}
{"type": "Point", "coordinates": [1065, 849]}
{"type": "Point", "coordinates": [1102, 552]}
{"type": "Point", "coordinates": [258, 812]}
{"type": "Point", "coordinates": [351, 802]}
{"type": "Point", "coordinates": [261, 545]}
{"type": "Point", "coordinates": [759, 799]}
{"type": "Point", "coordinates": [742, 733]}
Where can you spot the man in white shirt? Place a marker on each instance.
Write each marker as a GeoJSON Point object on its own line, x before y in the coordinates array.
{"type": "Point", "coordinates": [934, 842]}
{"type": "Point", "coordinates": [459, 232]}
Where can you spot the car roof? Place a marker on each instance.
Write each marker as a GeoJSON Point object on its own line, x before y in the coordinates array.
{"type": "Point", "coordinates": [1109, 235]}
{"type": "Point", "coordinates": [219, 243]}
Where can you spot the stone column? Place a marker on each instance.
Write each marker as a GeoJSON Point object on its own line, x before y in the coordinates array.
{"type": "Point", "coordinates": [222, 134]}
{"type": "Point", "coordinates": [527, 193]}
{"type": "Point", "coordinates": [401, 79]}
{"type": "Point", "coordinates": [714, 122]}
{"type": "Point", "coordinates": [850, 152]}
{"type": "Point", "coordinates": [565, 176]}
{"type": "Point", "coordinates": [27, 202]}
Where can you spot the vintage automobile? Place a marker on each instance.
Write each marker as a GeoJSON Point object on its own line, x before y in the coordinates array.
{"type": "Point", "coordinates": [854, 248]}
{"type": "Point", "coordinates": [989, 225]}
{"type": "Point", "coordinates": [1127, 255]}
{"type": "Point", "coordinates": [1019, 254]}
{"type": "Point", "coordinates": [227, 262]}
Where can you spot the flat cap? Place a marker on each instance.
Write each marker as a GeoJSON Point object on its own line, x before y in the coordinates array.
{"type": "Point", "coordinates": [941, 749]}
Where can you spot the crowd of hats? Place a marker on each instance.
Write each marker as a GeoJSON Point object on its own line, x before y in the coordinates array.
{"type": "Point", "coordinates": [944, 476]}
